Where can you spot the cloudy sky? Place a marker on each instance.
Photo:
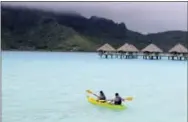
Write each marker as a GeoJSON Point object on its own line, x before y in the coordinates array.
{"type": "Point", "coordinates": [144, 17]}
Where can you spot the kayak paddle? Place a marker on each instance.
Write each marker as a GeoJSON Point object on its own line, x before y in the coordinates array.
{"type": "Point", "coordinates": [90, 92]}
{"type": "Point", "coordinates": [129, 98]}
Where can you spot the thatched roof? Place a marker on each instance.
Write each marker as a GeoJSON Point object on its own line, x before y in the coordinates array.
{"type": "Point", "coordinates": [152, 48]}
{"type": "Point", "coordinates": [134, 49]}
{"type": "Point", "coordinates": [179, 49]}
{"type": "Point", "coordinates": [106, 47]}
{"type": "Point", "coordinates": [127, 48]}
{"type": "Point", "coordinates": [123, 47]}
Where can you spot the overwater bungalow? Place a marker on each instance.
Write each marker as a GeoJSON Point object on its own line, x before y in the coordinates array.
{"type": "Point", "coordinates": [152, 52]}
{"type": "Point", "coordinates": [178, 52]}
{"type": "Point", "coordinates": [127, 51]}
{"type": "Point", "coordinates": [106, 50]}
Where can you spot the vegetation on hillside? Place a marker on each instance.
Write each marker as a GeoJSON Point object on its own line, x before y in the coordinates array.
{"type": "Point", "coordinates": [29, 29]}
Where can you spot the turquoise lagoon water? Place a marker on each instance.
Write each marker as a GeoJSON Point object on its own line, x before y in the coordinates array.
{"type": "Point", "coordinates": [50, 87]}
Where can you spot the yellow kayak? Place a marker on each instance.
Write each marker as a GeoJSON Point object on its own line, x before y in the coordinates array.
{"type": "Point", "coordinates": [105, 104]}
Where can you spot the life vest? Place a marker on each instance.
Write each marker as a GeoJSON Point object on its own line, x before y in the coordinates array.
{"type": "Point", "coordinates": [117, 101]}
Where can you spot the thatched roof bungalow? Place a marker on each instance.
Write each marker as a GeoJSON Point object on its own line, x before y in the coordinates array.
{"type": "Point", "coordinates": [151, 51]}
{"type": "Point", "coordinates": [123, 48]}
{"type": "Point", "coordinates": [152, 48]}
{"type": "Point", "coordinates": [106, 48]}
{"type": "Point", "coordinates": [127, 48]}
{"type": "Point", "coordinates": [178, 51]}
{"type": "Point", "coordinates": [178, 48]}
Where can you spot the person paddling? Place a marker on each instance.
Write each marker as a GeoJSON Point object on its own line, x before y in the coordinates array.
{"type": "Point", "coordinates": [117, 100]}
{"type": "Point", "coordinates": [101, 96]}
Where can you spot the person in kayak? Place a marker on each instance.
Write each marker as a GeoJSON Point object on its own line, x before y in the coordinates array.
{"type": "Point", "coordinates": [117, 100]}
{"type": "Point", "coordinates": [101, 96]}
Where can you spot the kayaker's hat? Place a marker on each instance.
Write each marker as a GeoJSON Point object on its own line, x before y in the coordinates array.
{"type": "Point", "coordinates": [116, 94]}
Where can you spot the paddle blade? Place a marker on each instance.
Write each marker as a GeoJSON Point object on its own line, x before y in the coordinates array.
{"type": "Point", "coordinates": [88, 91]}
{"type": "Point", "coordinates": [129, 98]}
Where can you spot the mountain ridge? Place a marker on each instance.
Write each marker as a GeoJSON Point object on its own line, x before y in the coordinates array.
{"type": "Point", "coordinates": [31, 29]}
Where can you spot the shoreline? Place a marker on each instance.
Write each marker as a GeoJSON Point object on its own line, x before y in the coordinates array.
{"type": "Point", "coordinates": [48, 51]}
{"type": "Point", "coordinates": [164, 54]}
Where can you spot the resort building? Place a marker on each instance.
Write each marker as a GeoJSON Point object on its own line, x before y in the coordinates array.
{"type": "Point", "coordinates": [106, 50]}
{"type": "Point", "coordinates": [178, 52]}
{"type": "Point", "coordinates": [127, 51]}
{"type": "Point", "coordinates": [152, 52]}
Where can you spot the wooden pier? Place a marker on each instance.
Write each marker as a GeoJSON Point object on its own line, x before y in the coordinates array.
{"type": "Point", "coordinates": [150, 52]}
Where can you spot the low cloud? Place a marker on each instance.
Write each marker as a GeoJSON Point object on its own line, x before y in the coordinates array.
{"type": "Point", "coordinates": [144, 17]}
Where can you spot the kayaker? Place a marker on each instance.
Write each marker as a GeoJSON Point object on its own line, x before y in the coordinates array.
{"type": "Point", "coordinates": [101, 96]}
{"type": "Point", "coordinates": [117, 100]}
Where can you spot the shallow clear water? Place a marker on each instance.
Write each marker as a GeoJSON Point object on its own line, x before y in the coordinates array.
{"type": "Point", "coordinates": [50, 87]}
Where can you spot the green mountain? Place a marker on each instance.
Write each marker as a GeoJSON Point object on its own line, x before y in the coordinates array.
{"type": "Point", "coordinates": [31, 29]}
